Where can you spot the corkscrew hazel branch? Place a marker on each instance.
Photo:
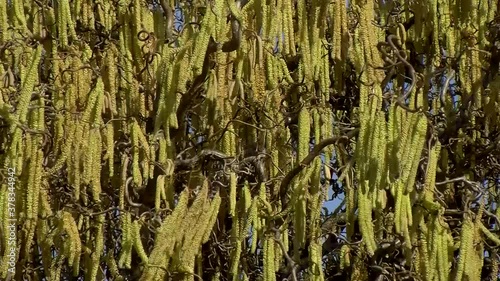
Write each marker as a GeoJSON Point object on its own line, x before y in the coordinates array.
{"type": "Point", "coordinates": [236, 166]}
{"type": "Point", "coordinates": [472, 184]}
{"type": "Point", "coordinates": [127, 196]}
{"type": "Point", "coordinates": [170, 18]}
{"type": "Point", "coordinates": [291, 263]}
{"type": "Point", "coordinates": [308, 160]}
{"type": "Point", "coordinates": [451, 74]}
{"type": "Point", "coordinates": [413, 77]}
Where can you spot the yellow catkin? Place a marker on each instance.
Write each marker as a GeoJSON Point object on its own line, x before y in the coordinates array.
{"type": "Point", "coordinates": [110, 148]}
{"type": "Point", "coordinates": [435, 245]}
{"type": "Point", "coordinates": [96, 166]}
{"type": "Point", "coordinates": [380, 154]}
{"type": "Point", "coordinates": [269, 271]}
{"type": "Point", "coordinates": [29, 82]}
{"type": "Point", "coordinates": [365, 221]}
{"type": "Point", "coordinates": [236, 252]}
{"type": "Point", "coordinates": [416, 147]}
{"type": "Point", "coordinates": [202, 40]}
{"type": "Point", "coordinates": [316, 261]}
{"type": "Point", "coordinates": [466, 241]}
{"type": "Point", "coordinates": [424, 254]}
{"type": "Point", "coordinates": [19, 15]}
{"type": "Point", "coordinates": [3, 21]}
{"type": "Point", "coordinates": [111, 79]}
{"type": "Point", "coordinates": [67, 13]}
{"type": "Point", "coordinates": [214, 212]}
{"type": "Point", "coordinates": [226, 143]}
{"type": "Point", "coordinates": [256, 230]}
{"type": "Point", "coordinates": [126, 242]}
{"type": "Point", "coordinates": [72, 97]}
{"type": "Point", "coordinates": [139, 248]}
{"type": "Point", "coordinates": [136, 172]}
{"type": "Point", "coordinates": [494, 265]}
{"type": "Point", "coordinates": [304, 134]}
{"type": "Point", "coordinates": [99, 246]}
{"type": "Point", "coordinates": [45, 241]}
{"type": "Point", "coordinates": [71, 228]}
{"type": "Point", "coordinates": [398, 212]}
{"type": "Point", "coordinates": [345, 260]}
{"type": "Point", "coordinates": [168, 235]}
{"type": "Point", "coordinates": [430, 176]}
{"type": "Point", "coordinates": [197, 215]}
{"type": "Point", "coordinates": [160, 187]}
{"type": "Point", "coordinates": [113, 267]}
{"type": "Point", "coordinates": [35, 174]}
{"type": "Point", "coordinates": [494, 238]}
{"type": "Point", "coordinates": [62, 23]}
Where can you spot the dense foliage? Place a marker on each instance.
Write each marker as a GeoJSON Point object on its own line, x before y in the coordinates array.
{"type": "Point", "coordinates": [199, 140]}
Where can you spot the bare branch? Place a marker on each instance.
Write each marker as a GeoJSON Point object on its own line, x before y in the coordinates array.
{"type": "Point", "coordinates": [291, 262]}
{"type": "Point", "coordinates": [474, 185]}
{"type": "Point", "coordinates": [131, 203]}
{"type": "Point", "coordinates": [170, 18]}
{"type": "Point", "coordinates": [309, 158]}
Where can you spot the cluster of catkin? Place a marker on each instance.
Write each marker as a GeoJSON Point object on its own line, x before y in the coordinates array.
{"type": "Point", "coordinates": [83, 79]}
{"type": "Point", "coordinates": [394, 141]}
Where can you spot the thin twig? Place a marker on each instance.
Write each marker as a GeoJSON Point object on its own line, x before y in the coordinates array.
{"type": "Point", "coordinates": [132, 203]}
{"type": "Point", "coordinates": [446, 85]}
{"type": "Point", "coordinates": [473, 184]}
{"type": "Point", "coordinates": [310, 157]}
{"type": "Point", "coordinates": [291, 262]}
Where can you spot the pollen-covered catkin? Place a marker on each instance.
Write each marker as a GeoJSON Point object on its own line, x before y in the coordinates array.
{"type": "Point", "coordinates": [188, 140]}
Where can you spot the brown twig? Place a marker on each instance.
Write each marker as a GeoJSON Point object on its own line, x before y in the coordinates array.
{"type": "Point", "coordinates": [309, 158]}
{"type": "Point", "coordinates": [291, 262]}
{"type": "Point", "coordinates": [446, 85]}
{"type": "Point", "coordinates": [474, 185]}
{"type": "Point", "coordinates": [401, 100]}
{"type": "Point", "coordinates": [132, 203]}
{"type": "Point", "coordinates": [170, 17]}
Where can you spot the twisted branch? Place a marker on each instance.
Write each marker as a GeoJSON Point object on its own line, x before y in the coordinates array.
{"type": "Point", "coordinates": [192, 93]}
{"type": "Point", "coordinates": [309, 158]}
{"type": "Point", "coordinates": [211, 154]}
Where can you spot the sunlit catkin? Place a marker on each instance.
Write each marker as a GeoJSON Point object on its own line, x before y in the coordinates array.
{"type": "Point", "coordinates": [365, 220]}
{"type": "Point", "coordinates": [139, 248]}
{"type": "Point", "coordinates": [304, 134]}
{"type": "Point", "coordinates": [103, 101]}
{"type": "Point", "coordinates": [466, 247]}
{"type": "Point", "coordinates": [3, 21]}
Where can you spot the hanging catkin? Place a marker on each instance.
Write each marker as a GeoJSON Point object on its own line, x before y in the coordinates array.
{"type": "Point", "coordinates": [130, 123]}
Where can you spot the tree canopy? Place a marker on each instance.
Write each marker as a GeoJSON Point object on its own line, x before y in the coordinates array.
{"type": "Point", "coordinates": [199, 140]}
